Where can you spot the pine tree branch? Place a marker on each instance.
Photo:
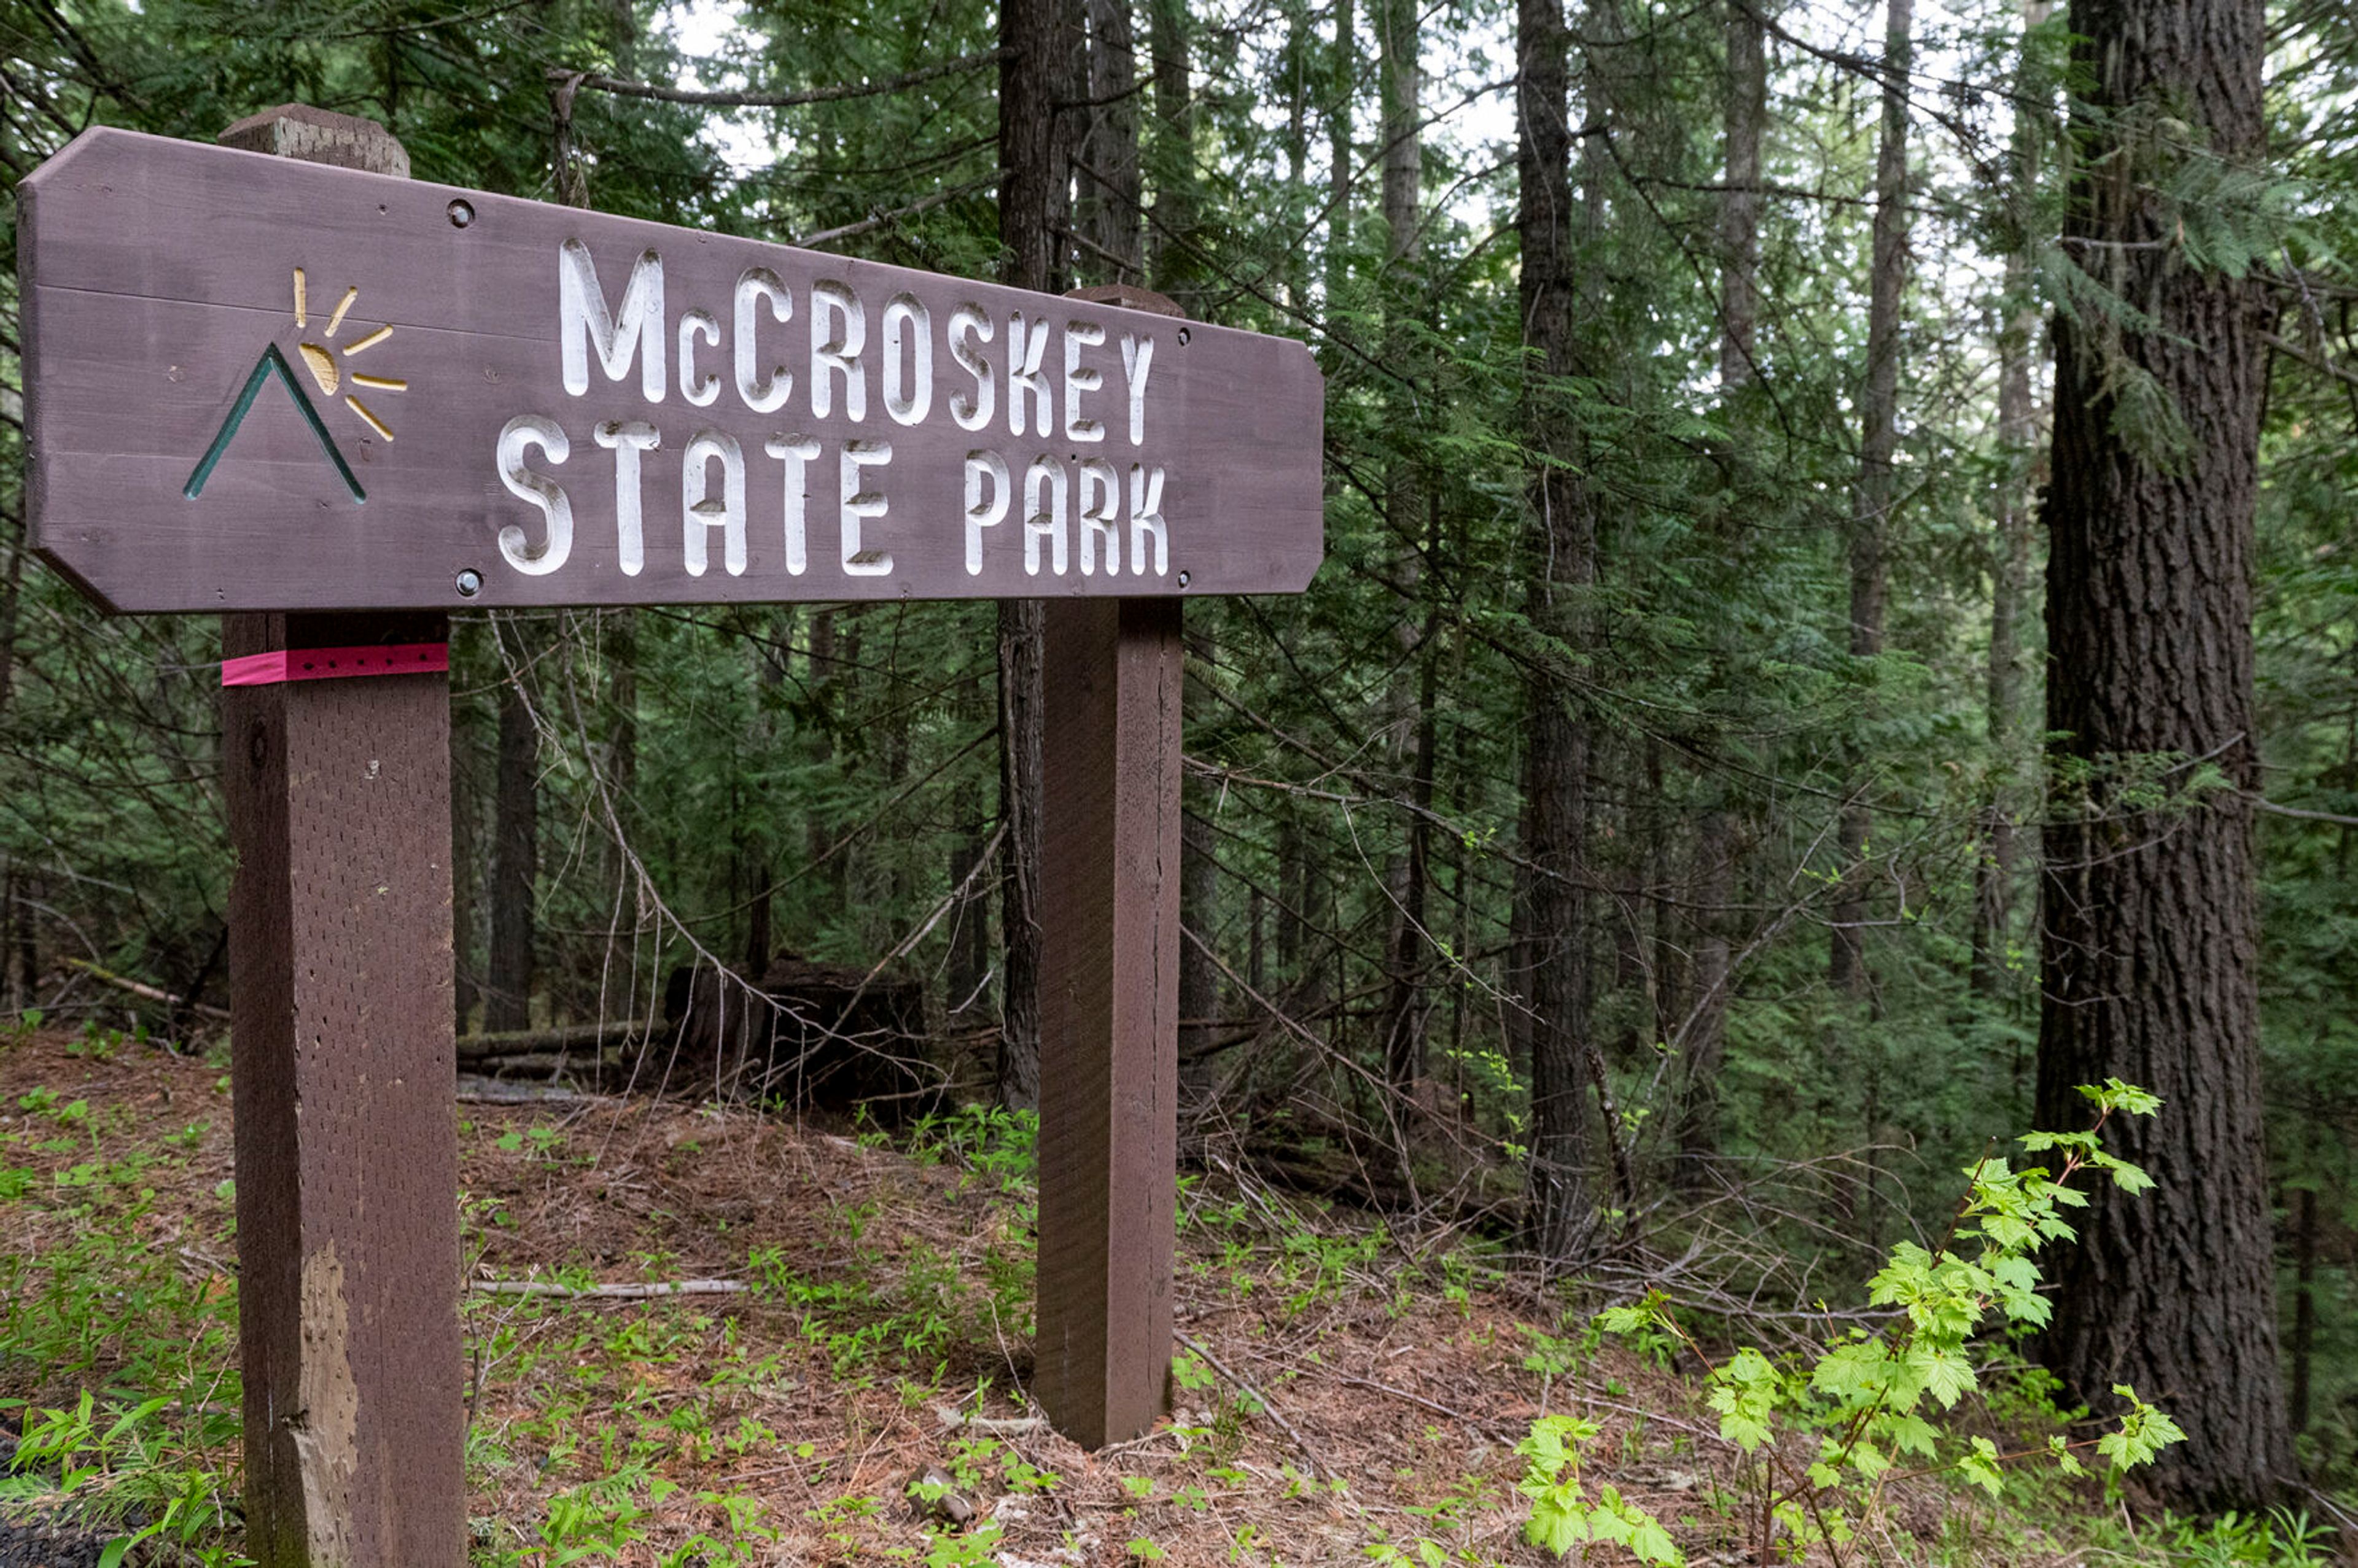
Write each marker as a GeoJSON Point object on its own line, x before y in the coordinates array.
{"type": "Point", "coordinates": [732, 100]}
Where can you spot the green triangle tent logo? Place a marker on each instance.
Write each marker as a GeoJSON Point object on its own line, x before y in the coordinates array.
{"type": "Point", "coordinates": [272, 364]}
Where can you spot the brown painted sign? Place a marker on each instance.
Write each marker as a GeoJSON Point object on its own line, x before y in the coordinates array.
{"type": "Point", "coordinates": [254, 383]}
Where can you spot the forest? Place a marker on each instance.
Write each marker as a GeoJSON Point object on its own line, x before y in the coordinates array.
{"type": "Point", "coordinates": [1839, 628]}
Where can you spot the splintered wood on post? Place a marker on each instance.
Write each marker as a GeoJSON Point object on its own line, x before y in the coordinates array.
{"type": "Point", "coordinates": [258, 385]}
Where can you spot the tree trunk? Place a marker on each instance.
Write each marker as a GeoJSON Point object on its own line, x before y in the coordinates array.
{"type": "Point", "coordinates": [1177, 270]}
{"type": "Point", "coordinates": [1033, 75]}
{"type": "Point", "coordinates": [516, 851]}
{"type": "Point", "coordinates": [1109, 210]}
{"type": "Point", "coordinates": [467, 859]}
{"type": "Point", "coordinates": [1879, 444]}
{"type": "Point", "coordinates": [16, 920]}
{"type": "Point", "coordinates": [621, 769]}
{"type": "Point", "coordinates": [1339, 171]}
{"type": "Point", "coordinates": [1554, 936]}
{"type": "Point", "coordinates": [1200, 907]}
{"type": "Point", "coordinates": [2018, 416]}
{"type": "Point", "coordinates": [1707, 1030]}
{"type": "Point", "coordinates": [969, 954]}
{"type": "Point", "coordinates": [1407, 741]}
{"type": "Point", "coordinates": [1745, 119]}
{"type": "Point", "coordinates": [12, 595]}
{"type": "Point", "coordinates": [1710, 878]}
{"type": "Point", "coordinates": [2150, 914]}
{"type": "Point", "coordinates": [1021, 626]}
{"type": "Point", "coordinates": [771, 636]}
{"type": "Point", "coordinates": [2304, 1307]}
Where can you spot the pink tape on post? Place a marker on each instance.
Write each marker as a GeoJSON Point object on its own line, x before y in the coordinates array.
{"type": "Point", "coordinates": [333, 664]}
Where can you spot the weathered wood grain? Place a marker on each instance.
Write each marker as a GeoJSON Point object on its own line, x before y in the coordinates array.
{"type": "Point", "coordinates": [338, 796]}
{"type": "Point", "coordinates": [156, 273]}
{"type": "Point", "coordinates": [347, 1147]}
{"type": "Point", "coordinates": [1109, 1015]}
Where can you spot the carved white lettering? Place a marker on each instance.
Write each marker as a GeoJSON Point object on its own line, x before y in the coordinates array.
{"type": "Point", "coordinates": [1045, 521]}
{"type": "Point", "coordinates": [700, 514]}
{"type": "Point", "coordinates": [858, 503]}
{"type": "Point", "coordinates": [762, 391]}
{"type": "Point", "coordinates": [834, 348]}
{"type": "Point", "coordinates": [582, 321]}
{"type": "Point", "coordinates": [699, 389]}
{"type": "Point", "coordinates": [1146, 517]}
{"type": "Point", "coordinates": [1024, 354]}
{"type": "Point", "coordinates": [908, 403]}
{"type": "Point", "coordinates": [626, 438]}
{"type": "Point", "coordinates": [1099, 515]}
{"type": "Point", "coordinates": [556, 508]}
{"type": "Point", "coordinates": [1136, 359]}
{"type": "Point", "coordinates": [968, 327]}
{"type": "Point", "coordinates": [1077, 379]}
{"type": "Point", "coordinates": [980, 514]}
{"type": "Point", "coordinates": [797, 450]}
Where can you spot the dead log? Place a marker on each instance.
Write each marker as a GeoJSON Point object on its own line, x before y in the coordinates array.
{"type": "Point", "coordinates": [826, 1035]}
{"type": "Point", "coordinates": [589, 1039]}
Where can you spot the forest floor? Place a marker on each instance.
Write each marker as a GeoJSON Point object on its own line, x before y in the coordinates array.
{"type": "Point", "coordinates": [1344, 1394]}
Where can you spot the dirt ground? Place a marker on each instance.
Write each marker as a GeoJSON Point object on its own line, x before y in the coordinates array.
{"type": "Point", "coordinates": [1341, 1392]}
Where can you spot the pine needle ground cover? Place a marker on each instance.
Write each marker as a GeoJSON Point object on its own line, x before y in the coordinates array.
{"type": "Point", "coordinates": [1342, 1394]}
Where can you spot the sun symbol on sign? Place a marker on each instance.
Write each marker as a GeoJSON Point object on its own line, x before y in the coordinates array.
{"type": "Point", "coordinates": [329, 376]}
{"type": "Point", "coordinates": [321, 361]}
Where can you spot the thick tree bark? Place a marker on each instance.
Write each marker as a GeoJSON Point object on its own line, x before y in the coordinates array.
{"type": "Point", "coordinates": [1878, 445]}
{"type": "Point", "coordinates": [1177, 271]}
{"type": "Point", "coordinates": [1037, 71]}
{"type": "Point", "coordinates": [1553, 939]}
{"type": "Point", "coordinates": [767, 649]}
{"type": "Point", "coordinates": [2304, 1306]}
{"type": "Point", "coordinates": [1706, 1032]}
{"type": "Point", "coordinates": [621, 770]}
{"type": "Point", "coordinates": [515, 852]}
{"type": "Point", "coordinates": [1199, 912]}
{"type": "Point", "coordinates": [466, 861]}
{"type": "Point", "coordinates": [1108, 210]}
{"type": "Point", "coordinates": [1408, 742]}
{"type": "Point", "coordinates": [2018, 417]}
{"type": "Point", "coordinates": [1744, 120]}
{"type": "Point", "coordinates": [16, 920]}
{"type": "Point", "coordinates": [969, 956]}
{"type": "Point", "coordinates": [2150, 914]}
{"type": "Point", "coordinates": [1340, 88]}
{"type": "Point", "coordinates": [826, 663]}
{"type": "Point", "coordinates": [1021, 626]}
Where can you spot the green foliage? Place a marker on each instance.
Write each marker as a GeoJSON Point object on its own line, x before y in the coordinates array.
{"type": "Point", "coordinates": [1832, 1430]}
{"type": "Point", "coordinates": [1563, 1516]}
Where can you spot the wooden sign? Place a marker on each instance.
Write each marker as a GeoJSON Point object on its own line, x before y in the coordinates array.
{"type": "Point", "coordinates": [254, 383]}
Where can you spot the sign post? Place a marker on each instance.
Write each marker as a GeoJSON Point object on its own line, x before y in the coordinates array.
{"type": "Point", "coordinates": [331, 406]}
{"type": "Point", "coordinates": [343, 1062]}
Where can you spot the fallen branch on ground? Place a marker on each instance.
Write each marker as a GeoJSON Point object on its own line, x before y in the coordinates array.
{"type": "Point", "coordinates": [1268, 1407]}
{"type": "Point", "coordinates": [612, 1292]}
{"type": "Point", "coordinates": [147, 992]}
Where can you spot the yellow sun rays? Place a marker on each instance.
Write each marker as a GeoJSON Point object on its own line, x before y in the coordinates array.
{"type": "Point", "coordinates": [321, 360]}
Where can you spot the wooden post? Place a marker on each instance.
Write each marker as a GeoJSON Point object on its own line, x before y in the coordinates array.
{"type": "Point", "coordinates": [1110, 951]}
{"type": "Point", "coordinates": [1109, 1015]}
{"type": "Point", "coordinates": [339, 794]}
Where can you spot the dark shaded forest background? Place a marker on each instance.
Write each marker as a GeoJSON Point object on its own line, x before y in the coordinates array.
{"type": "Point", "coordinates": [1731, 797]}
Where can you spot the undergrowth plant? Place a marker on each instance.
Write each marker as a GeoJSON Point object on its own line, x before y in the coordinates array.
{"type": "Point", "coordinates": [1828, 1432]}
